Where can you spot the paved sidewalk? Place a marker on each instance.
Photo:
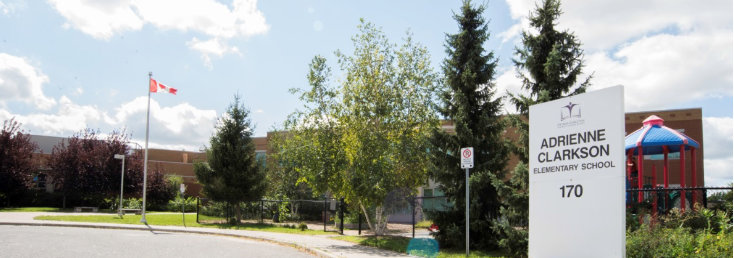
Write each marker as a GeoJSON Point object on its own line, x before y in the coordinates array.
{"type": "Point", "coordinates": [320, 245]}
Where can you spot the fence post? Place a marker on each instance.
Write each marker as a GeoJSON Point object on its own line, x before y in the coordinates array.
{"type": "Point", "coordinates": [413, 215]}
{"type": "Point", "coordinates": [341, 210]}
{"type": "Point", "coordinates": [323, 214]}
{"type": "Point", "coordinates": [197, 209]}
{"type": "Point", "coordinates": [705, 201]}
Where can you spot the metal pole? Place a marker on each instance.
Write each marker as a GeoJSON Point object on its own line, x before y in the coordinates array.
{"type": "Point", "coordinates": [359, 221]}
{"type": "Point", "coordinates": [197, 209]}
{"type": "Point", "coordinates": [682, 177]}
{"type": "Point", "coordinates": [262, 220]}
{"type": "Point", "coordinates": [145, 163]}
{"type": "Point", "coordinates": [183, 209]}
{"type": "Point", "coordinates": [467, 212]}
{"type": "Point", "coordinates": [341, 209]}
{"type": "Point", "coordinates": [122, 183]}
{"type": "Point", "coordinates": [693, 177]}
{"type": "Point", "coordinates": [324, 214]}
{"type": "Point", "coordinates": [413, 215]}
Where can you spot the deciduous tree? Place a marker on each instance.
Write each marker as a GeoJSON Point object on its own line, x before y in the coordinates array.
{"type": "Point", "coordinates": [16, 160]}
{"type": "Point", "coordinates": [367, 137]}
{"type": "Point", "coordinates": [85, 164]}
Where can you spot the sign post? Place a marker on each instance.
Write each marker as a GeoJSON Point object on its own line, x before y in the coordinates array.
{"type": "Point", "coordinates": [467, 162]}
{"type": "Point", "coordinates": [122, 182]}
{"type": "Point", "coordinates": [183, 204]}
{"type": "Point", "coordinates": [577, 176]}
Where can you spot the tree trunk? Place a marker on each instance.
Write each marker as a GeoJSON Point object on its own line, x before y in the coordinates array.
{"type": "Point", "coordinates": [294, 210]}
{"type": "Point", "coordinates": [380, 224]}
{"type": "Point", "coordinates": [238, 212]}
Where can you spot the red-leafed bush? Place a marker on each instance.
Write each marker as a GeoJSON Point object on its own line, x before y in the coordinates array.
{"type": "Point", "coordinates": [16, 160]}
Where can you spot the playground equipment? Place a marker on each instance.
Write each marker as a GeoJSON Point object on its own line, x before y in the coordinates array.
{"type": "Point", "coordinates": [655, 138]}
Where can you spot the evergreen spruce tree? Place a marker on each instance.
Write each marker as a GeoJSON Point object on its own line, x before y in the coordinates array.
{"type": "Point", "coordinates": [469, 101]}
{"type": "Point", "coordinates": [232, 171]}
{"type": "Point", "coordinates": [549, 65]}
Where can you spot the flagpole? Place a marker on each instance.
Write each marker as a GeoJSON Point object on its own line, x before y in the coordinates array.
{"type": "Point", "coordinates": [145, 163]}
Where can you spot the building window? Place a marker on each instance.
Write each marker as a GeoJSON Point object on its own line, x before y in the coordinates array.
{"type": "Point", "coordinates": [261, 157]}
{"type": "Point", "coordinates": [661, 157]}
{"type": "Point", "coordinates": [39, 181]}
{"type": "Point", "coordinates": [427, 192]}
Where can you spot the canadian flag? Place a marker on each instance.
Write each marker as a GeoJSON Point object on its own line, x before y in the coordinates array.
{"type": "Point", "coordinates": [159, 87]}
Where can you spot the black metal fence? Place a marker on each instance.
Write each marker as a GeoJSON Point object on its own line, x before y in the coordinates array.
{"type": "Point", "coordinates": [662, 200]}
{"type": "Point", "coordinates": [316, 214]}
{"type": "Point", "coordinates": [413, 217]}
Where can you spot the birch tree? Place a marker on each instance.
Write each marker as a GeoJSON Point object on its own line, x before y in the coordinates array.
{"type": "Point", "coordinates": [368, 136]}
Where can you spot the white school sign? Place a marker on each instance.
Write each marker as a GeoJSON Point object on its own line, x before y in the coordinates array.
{"type": "Point", "coordinates": [577, 176]}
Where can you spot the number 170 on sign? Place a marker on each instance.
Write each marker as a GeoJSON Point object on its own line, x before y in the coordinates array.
{"type": "Point", "coordinates": [576, 190]}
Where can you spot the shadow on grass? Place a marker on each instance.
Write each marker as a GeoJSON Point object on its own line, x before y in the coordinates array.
{"type": "Point", "coordinates": [177, 220]}
{"type": "Point", "coordinates": [35, 209]}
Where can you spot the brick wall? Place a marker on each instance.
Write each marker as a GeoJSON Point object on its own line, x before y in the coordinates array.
{"type": "Point", "coordinates": [687, 119]}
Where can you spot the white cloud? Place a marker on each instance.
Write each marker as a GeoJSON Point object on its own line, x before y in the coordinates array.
{"type": "Point", "coordinates": [99, 19]}
{"type": "Point", "coordinates": [103, 19]}
{"type": "Point", "coordinates": [10, 6]}
{"type": "Point", "coordinates": [508, 82]}
{"type": "Point", "coordinates": [717, 137]}
{"type": "Point", "coordinates": [663, 70]}
{"type": "Point", "coordinates": [206, 16]}
{"type": "Point", "coordinates": [259, 111]}
{"type": "Point", "coordinates": [318, 26]}
{"type": "Point", "coordinates": [512, 32]}
{"type": "Point", "coordinates": [602, 24]}
{"type": "Point", "coordinates": [181, 124]}
{"type": "Point", "coordinates": [211, 47]}
{"type": "Point", "coordinates": [69, 119]}
{"type": "Point", "coordinates": [5, 8]}
{"type": "Point", "coordinates": [717, 144]}
{"type": "Point", "coordinates": [19, 80]}
{"type": "Point", "coordinates": [177, 127]}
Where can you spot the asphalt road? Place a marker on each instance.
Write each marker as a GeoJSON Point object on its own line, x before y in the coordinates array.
{"type": "Point", "coordinates": [67, 242]}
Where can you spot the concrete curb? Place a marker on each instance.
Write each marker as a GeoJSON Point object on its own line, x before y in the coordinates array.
{"type": "Point", "coordinates": [314, 251]}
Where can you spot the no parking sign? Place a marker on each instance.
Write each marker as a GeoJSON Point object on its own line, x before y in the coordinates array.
{"type": "Point", "coordinates": [467, 157]}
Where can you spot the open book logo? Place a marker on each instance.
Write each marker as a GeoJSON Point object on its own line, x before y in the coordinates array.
{"type": "Point", "coordinates": [569, 111]}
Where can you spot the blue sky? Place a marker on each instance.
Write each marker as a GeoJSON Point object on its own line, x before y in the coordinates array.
{"type": "Point", "coordinates": [67, 65]}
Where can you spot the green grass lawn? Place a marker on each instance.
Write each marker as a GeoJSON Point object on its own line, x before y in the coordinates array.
{"type": "Point", "coordinates": [176, 220]}
{"type": "Point", "coordinates": [425, 224]}
{"type": "Point", "coordinates": [400, 244]}
{"type": "Point", "coordinates": [35, 209]}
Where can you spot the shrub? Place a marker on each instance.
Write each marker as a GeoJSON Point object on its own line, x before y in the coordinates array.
{"type": "Point", "coordinates": [302, 226]}
{"type": "Point", "coordinates": [161, 189]}
{"type": "Point", "coordinates": [130, 203]}
{"type": "Point", "coordinates": [40, 199]}
{"type": "Point", "coordinates": [698, 233]}
{"type": "Point", "coordinates": [175, 204]}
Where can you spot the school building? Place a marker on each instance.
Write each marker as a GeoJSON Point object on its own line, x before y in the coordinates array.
{"type": "Point", "coordinates": [181, 163]}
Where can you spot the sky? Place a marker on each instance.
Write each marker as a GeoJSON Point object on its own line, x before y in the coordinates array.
{"type": "Point", "coordinates": [66, 65]}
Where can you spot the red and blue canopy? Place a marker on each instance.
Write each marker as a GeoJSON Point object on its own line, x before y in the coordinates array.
{"type": "Point", "coordinates": [653, 136]}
